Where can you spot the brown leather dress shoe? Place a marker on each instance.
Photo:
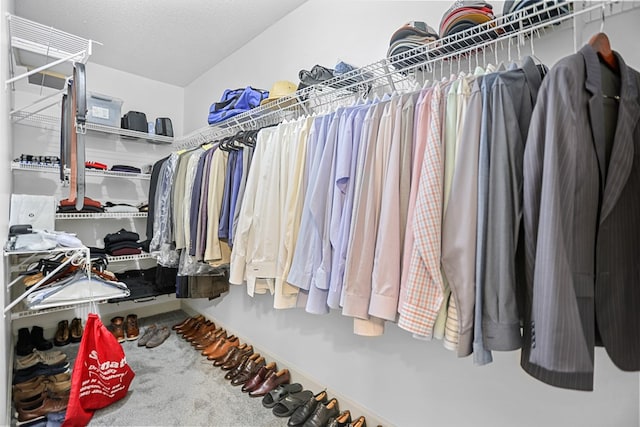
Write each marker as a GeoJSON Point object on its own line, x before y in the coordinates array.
{"type": "Point", "coordinates": [201, 332]}
{"type": "Point", "coordinates": [215, 345]}
{"type": "Point", "coordinates": [274, 380]}
{"type": "Point", "coordinates": [231, 353]}
{"type": "Point", "coordinates": [237, 358]}
{"type": "Point", "coordinates": [195, 329]}
{"type": "Point", "coordinates": [210, 338]}
{"type": "Point", "coordinates": [43, 408]}
{"type": "Point", "coordinates": [255, 381]}
{"type": "Point", "coordinates": [186, 321]}
{"type": "Point", "coordinates": [243, 364]}
{"type": "Point", "coordinates": [223, 347]}
{"type": "Point", "coordinates": [189, 325]}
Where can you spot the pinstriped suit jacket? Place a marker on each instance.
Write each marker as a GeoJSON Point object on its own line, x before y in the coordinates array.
{"type": "Point", "coordinates": [582, 231]}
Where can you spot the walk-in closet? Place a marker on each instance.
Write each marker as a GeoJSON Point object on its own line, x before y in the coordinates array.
{"type": "Point", "coordinates": [320, 213]}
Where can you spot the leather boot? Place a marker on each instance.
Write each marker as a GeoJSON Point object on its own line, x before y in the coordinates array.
{"type": "Point", "coordinates": [76, 330]}
{"type": "Point", "coordinates": [24, 346]}
{"type": "Point", "coordinates": [133, 332]}
{"type": "Point", "coordinates": [117, 328]}
{"type": "Point", "coordinates": [37, 336]}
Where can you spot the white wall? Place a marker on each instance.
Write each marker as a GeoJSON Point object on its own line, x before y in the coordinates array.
{"type": "Point", "coordinates": [5, 190]}
{"type": "Point", "coordinates": [406, 382]}
{"type": "Point", "coordinates": [155, 99]}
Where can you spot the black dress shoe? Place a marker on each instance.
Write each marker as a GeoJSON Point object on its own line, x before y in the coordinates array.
{"type": "Point", "coordinates": [37, 336]}
{"type": "Point", "coordinates": [24, 346]}
{"type": "Point", "coordinates": [322, 414]}
{"type": "Point", "coordinates": [303, 412]}
{"type": "Point", "coordinates": [342, 420]}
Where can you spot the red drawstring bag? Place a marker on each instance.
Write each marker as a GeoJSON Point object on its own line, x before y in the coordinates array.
{"type": "Point", "coordinates": [101, 375]}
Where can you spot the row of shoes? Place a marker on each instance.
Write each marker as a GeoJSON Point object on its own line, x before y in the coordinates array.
{"type": "Point", "coordinates": [261, 379]}
{"type": "Point", "coordinates": [41, 386]}
{"type": "Point", "coordinates": [28, 341]}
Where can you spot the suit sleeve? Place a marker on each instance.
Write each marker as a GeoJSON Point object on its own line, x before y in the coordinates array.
{"type": "Point", "coordinates": [554, 341]}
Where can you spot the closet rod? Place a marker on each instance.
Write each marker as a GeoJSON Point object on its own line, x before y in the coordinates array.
{"type": "Point", "coordinates": [400, 71]}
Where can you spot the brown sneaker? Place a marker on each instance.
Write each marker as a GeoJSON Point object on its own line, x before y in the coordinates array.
{"type": "Point", "coordinates": [133, 332]}
{"type": "Point", "coordinates": [117, 328]}
{"type": "Point", "coordinates": [76, 330]}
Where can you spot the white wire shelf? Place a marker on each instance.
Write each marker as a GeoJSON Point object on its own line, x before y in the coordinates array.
{"type": "Point", "coordinates": [7, 252]}
{"type": "Point", "coordinates": [101, 215]}
{"type": "Point", "coordinates": [408, 69]}
{"type": "Point", "coordinates": [46, 122]}
{"type": "Point", "coordinates": [40, 47]}
{"type": "Point", "coordinates": [22, 311]}
{"type": "Point", "coordinates": [125, 258]}
{"type": "Point", "coordinates": [55, 169]}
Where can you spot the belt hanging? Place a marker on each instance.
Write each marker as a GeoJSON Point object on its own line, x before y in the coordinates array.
{"type": "Point", "coordinates": [80, 107]}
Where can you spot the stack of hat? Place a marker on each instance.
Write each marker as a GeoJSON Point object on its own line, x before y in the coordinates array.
{"type": "Point", "coordinates": [464, 15]}
{"type": "Point", "coordinates": [556, 8]}
{"type": "Point", "coordinates": [121, 243]}
{"type": "Point", "coordinates": [411, 35]}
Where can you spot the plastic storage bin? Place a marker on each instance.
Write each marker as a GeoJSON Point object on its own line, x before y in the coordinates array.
{"type": "Point", "coordinates": [103, 109]}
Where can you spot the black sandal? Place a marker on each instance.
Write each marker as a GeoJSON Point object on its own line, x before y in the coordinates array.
{"type": "Point", "coordinates": [287, 406]}
{"type": "Point", "coordinates": [272, 398]}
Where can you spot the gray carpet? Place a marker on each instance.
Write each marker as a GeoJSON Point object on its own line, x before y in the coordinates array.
{"type": "Point", "coordinates": [176, 386]}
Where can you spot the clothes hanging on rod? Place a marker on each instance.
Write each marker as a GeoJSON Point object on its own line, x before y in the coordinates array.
{"type": "Point", "coordinates": [269, 216]}
{"type": "Point", "coordinates": [406, 208]}
{"type": "Point", "coordinates": [195, 194]}
{"type": "Point", "coordinates": [370, 233]}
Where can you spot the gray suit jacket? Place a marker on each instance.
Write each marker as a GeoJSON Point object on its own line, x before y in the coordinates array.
{"type": "Point", "coordinates": [582, 229]}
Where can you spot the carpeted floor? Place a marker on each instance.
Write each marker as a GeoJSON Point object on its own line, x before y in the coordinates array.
{"type": "Point", "coordinates": [176, 386]}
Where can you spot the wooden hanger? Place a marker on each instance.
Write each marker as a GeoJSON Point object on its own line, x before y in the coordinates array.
{"type": "Point", "coordinates": [600, 42]}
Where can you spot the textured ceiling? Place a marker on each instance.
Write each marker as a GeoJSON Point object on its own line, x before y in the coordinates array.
{"type": "Point", "coordinates": [172, 41]}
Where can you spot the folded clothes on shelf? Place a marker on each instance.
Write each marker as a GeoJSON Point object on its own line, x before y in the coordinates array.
{"type": "Point", "coordinates": [120, 208]}
{"type": "Point", "coordinates": [38, 160]}
{"type": "Point", "coordinates": [87, 202]}
{"type": "Point", "coordinates": [41, 240]}
{"type": "Point", "coordinates": [122, 242]}
{"type": "Point", "coordinates": [121, 236]}
{"type": "Point", "coordinates": [126, 251]}
{"type": "Point", "coordinates": [85, 209]}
